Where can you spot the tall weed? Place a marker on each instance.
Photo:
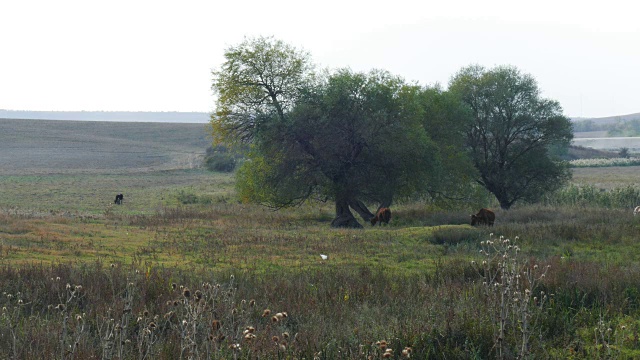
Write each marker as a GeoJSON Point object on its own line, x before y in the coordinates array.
{"type": "Point", "coordinates": [589, 195]}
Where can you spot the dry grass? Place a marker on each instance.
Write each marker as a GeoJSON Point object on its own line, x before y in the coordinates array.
{"type": "Point", "coordinates": [607, 178]}
{"type": "Point", "coordinates": [44, 147]}
{"type": "Point", "coordinates": [410, 285]}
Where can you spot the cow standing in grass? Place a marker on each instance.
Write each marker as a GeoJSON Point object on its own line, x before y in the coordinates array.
{"type": "Point", "coordinates": [483, 217]}
{"type": "Point", "coordinates": [119, 199]}
{"type": "Point", "coordinates": [636, 211]}
{"type": "Point", "coordinates": [382, 216]}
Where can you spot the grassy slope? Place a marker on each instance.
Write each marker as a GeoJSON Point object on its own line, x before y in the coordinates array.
{"type": "Point", "coordinates": [72, 147]}
{"type": "Point", "coordinates": [67, 213]}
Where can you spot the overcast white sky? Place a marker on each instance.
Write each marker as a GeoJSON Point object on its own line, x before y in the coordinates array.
{"type": "Point", "coordinates": [158, 55]}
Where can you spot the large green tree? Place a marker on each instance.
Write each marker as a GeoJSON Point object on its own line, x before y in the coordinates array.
{"type": "Point", "coordinates": [446, 120]}
{"type": "Point", "coordinates": [512, 132]}
{"type": "Point", "coordinates": [354, 139]}
{"type": "Point", "coordinates": [261, 80]}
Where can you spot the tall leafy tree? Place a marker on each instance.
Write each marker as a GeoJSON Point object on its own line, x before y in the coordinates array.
{"type": "Point", "coordinates": [512, 132]}
{"type": "Point", "coordinates": [260, 81]}
{"type": "Point", "coordinates": [446, 120]}
{"type": "Point", "coordinates": [354, 138]}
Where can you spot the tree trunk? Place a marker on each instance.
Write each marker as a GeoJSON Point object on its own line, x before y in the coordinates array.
{"type": "Point", "coordinates": [344, 218]}
{"type": "Point", "coordinates": [386, 201]}
{"type": "Point", "coordinates": [361, 209]}
{"type": "Point", "coordinates": [499, 193]}
{"type": "Point", "coordinates": [504, 204]}
{"type": "Point", "coordinates": [503, 199]}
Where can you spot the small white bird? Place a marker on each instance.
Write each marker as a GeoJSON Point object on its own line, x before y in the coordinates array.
{"type": "Point", "coordinates": [324, 257]}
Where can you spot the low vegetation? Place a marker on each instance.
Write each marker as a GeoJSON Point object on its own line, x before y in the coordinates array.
{"type": "Point", "coordinates": [575, 152]}
{"type": "Point", "coordinates": [221, 159]}
{"type": "Point", "coordinates": [620, 161]}
{"type": "Point", "coordinates": [181, 270]}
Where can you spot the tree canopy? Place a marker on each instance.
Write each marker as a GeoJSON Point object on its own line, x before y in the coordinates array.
{"type": "Point", "coordinates": [512, 132]}
{"type": "Point", "coordinates": [355, 138]}
{"type": "Point", "coordinates": [362, 139]}
{"type": "Point", "coordinates": [260, 79]}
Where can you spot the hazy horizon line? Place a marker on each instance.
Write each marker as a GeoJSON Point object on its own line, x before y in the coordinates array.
{"type": "Point", "coordinates": [210, 112]}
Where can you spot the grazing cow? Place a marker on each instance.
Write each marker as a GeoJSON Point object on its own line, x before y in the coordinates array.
{"type": "Point", "coordinates": [636, 211]}
{"type": "Point", "coordinates": [383, 216]}
{"type": "Point", "coordinates": [119, 199]}
{"type": "Point", "coordinates": [483, 217]}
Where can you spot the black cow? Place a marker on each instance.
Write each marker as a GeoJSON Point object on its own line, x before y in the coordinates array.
{"type": "Point", "coordinates": [119, 199]}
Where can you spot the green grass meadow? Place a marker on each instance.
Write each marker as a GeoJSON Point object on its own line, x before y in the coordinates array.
{"type": "Point", "coordinates": [181, 270]}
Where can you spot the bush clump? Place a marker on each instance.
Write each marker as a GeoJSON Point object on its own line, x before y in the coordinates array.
{"type": "Point", "coordinates": [220, 162]}
{"type": "Point", "coordinates": [221, 159]}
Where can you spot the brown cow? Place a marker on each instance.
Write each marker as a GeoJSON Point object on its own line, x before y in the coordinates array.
{"type": "Point", "coordinates": [383, 216]}
{"type": "Point", "coordinates": [483, 217]}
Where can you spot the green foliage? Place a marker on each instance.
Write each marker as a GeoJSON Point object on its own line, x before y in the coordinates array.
{"type": "Point", "coordinates": [354, 138]}
{"type": "Point", "coordinates": [221, 159]}
{"type": "Point", "coordinates": [446, 120]}
{"type": "Point", "coordinates": [624, 153]}
{"type": "Point", "coordinates": [512, 133]}
{"type": "Point", "coordinates": [220, 162]}
{"type": "Point", "coordinates": [261, 78]}
{"type": "Point", "coordinates": [357, 137]}
{"type": "Point", "coordinates": [272, 182]}
{"type": "Point", "coordinates": [364, 132]}
{"type": "Point", "coordinates": [189, 197]}
{"type": "Point", "coordinates": [589, 195]}
{"type": "Point", "coordinates": [625, 128]}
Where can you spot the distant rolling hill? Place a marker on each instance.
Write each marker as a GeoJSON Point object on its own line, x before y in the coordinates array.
{"type": "Point", "coordinates": [611, 133]}
{"type": "Point", "coordinates": [610, 119]}
{"type": "Point", "coordinates": [121, 116]}
{"type": "Point", "coordinates": [59, 147]}
{"type": "Point", "coordinates": [609, 143]}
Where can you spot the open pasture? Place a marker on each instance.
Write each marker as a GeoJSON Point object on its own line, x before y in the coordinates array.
{"type": "Point", "coordinates": [181, 270]}
{"type": "Point", "coordinates": [190, 217]}
{"type": "Point", "coordinates": [607, 177]}
{"type": "Point", "coordinates": [45, 147]}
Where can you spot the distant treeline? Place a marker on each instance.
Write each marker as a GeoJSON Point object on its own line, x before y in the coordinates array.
{"type": "Point", "coordinates": [629, 126]}
{"type": "Point", "coordinates": [121, 116]}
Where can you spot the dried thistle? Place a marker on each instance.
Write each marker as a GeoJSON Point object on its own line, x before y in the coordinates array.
{"type": "Point", "coordinates": [215, 325]}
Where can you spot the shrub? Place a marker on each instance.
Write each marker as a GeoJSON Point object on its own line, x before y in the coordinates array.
{"type": "Point", "coordinates": [221, 162]}
{"type": "Point", "coordinates": [452, 236]}
{"type": "Point", "coordinates": [624, 153]}
{"type": "Point", "coordinates": [222, 159]}
{"type": "Point", "coordinates": [188, 197]}
{"type": "Point", "coordinates": [574, 195]}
